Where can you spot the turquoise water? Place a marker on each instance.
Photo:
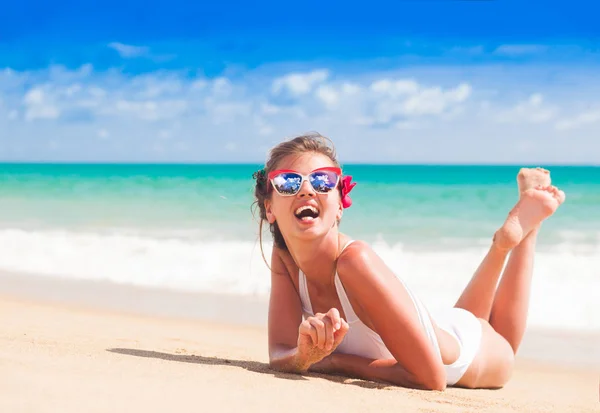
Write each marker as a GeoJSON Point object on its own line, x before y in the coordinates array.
{"type": "Point", "coordinates": [190, 228]}
{"type": "Point", "coordinates": [418, 206]}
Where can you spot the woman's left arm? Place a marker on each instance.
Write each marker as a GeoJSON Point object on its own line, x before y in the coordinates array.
{"type": "Point", "coordinates": [386, 371]}
{"type": "Point", "coordinates": [385, 301]}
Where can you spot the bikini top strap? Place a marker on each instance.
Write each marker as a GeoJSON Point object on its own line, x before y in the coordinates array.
{"type": "Point", "coordinates": [348, 310]}
{"type": "Point", "coordinates": [344, 247]}
{"type": "Point", "coordinates": [304, 296]}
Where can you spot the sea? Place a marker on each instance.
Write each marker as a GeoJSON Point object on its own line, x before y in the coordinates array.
{"type": "Point", "coordinates": [192, 228]}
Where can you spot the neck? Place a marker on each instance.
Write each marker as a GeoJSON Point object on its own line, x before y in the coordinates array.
{"type": "Point", "coordinates": [317, 258]}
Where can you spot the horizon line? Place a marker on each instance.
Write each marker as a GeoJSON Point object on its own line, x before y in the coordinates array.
{"type": "Point", "coordinates": [253, 163]}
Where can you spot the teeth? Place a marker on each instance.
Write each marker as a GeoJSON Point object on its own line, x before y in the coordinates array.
{"type": "Point", "coordinates": [302, 208]}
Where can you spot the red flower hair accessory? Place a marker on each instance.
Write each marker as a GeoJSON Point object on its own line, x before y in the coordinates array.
{"type": "Point", "coordinates": [346, 186]}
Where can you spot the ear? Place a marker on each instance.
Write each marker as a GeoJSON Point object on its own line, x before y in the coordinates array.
{"type": "Point", "coordinates": [340, 212]}
{"type": "Point", "coordinates": [270, 215]}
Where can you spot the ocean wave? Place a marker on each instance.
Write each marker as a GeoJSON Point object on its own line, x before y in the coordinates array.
{"type": "Point", "coordinates": [564, 290]}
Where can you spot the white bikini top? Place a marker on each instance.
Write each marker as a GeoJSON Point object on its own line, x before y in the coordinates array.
{"type": "Point", "coordinates": [360, 340]}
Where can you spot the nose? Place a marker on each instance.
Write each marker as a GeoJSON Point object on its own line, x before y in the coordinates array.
{"type": "Point", "coordinates": [306, 190]}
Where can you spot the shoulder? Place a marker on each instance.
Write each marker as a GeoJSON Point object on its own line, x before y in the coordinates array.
{"type": "Point", "coordinates": [359, 263]}
{"type": "Point", "coordinates": [282, 262]}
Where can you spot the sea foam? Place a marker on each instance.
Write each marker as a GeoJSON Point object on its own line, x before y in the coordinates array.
{"type": "Point", "coordinates": [564, 291]}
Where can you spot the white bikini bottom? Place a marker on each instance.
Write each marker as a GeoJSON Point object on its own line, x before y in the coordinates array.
{"type": "Point", "coordinates": [466, 329]}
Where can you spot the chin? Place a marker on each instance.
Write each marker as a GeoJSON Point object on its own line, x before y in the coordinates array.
{"type": "Point", "coordinates": [307, 231]}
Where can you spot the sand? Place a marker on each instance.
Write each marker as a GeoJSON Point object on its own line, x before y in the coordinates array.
{"type": "Point", "coordinates": [63, 351]}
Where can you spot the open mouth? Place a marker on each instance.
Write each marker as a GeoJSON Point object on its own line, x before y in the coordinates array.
{"type": "Point", "coordinates": [306, 213]}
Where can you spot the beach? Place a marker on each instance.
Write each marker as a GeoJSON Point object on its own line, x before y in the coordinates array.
{"type": "Point", "coordinates": [133, 349]}
{"type": "Point", "coordinates": [144, 288]}
{"type": "Point", "coordinates": [174, 173]}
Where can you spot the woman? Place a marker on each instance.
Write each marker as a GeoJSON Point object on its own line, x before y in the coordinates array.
{"type": "Point", "coordinates": [360, 320]}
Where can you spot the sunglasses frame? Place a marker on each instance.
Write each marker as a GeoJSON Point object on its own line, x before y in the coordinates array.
{"type": "Point", "coordinates": [273, 174]}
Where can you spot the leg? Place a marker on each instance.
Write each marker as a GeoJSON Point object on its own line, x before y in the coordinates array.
{"type": "Point", "coordinates": [479, 295]}
{"type": "Point", "coordinates": [511, 304]}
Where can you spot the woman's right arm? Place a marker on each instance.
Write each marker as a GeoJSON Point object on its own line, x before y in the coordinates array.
{"type": "Point", "coordinates": [285, 316]}
{"type": "Point", "coordinates": [294, 344]}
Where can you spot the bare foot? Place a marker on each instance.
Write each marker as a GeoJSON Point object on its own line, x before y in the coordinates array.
{"type": "Point", "coordinates": [528, 178]}
{"type": "Point", "coordinates": [535, 205]}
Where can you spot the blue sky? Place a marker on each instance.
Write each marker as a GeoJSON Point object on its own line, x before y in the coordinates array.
{"type": "Point", "coordinates": [395, 82]}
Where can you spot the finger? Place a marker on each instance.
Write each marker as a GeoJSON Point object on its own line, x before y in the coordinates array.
{"type": "Point", "coordinates": [341, 333]}
{"type": "Point", "coordinates": [307, 329]}
{"type": "Point", "coordinates": [328, 333]}
{"type": "Point", "coordinates": [320, 330]}
{"type": "Point", "coordinates": [334, 316]}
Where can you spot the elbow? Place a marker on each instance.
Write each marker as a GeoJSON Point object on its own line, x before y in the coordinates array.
{"type": "Point", "coordinates": [435, 381]}
{"type": "Point", "coordinates": [435, 384]}
{"type": "Point", "coordinates": [282, 366]}
{"type": "Point", "coordinates": [278, 366]}
{"type": "Point", "coordinates": [432, 378]}
{"type": "Point", "coordinates": [273, 365]}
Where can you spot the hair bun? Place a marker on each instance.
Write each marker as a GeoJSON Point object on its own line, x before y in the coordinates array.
{"type": "Point", "coordinates": [260, 176]}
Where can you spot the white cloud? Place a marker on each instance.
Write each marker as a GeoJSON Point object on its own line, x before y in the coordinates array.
{"type": "Point", "coordinates": [269, 109]}
{"type": "Point", "coordinates": [174, 116]}
{"type": "Point", "coordinates": [328, 96]}
{"type": "Point", "coordinates": [264, 128]}
{"type": "Point", "coordinates": [228, 112]}
{"type": "Point", "coordinates": [406, 125]}
{"type": "Point", "coordinates": [150, 110]}
{"type": "Point", "coordinates": [39, 106]}
{"type": "Point", "coordinates": [435, 100]}
{"type": "Point", "coordinates": [231, 146]}
{"type": "Point", "coordinates": [520, 49]}
{"type": "Point", "coordinates": [397, 100]}
{"type": "Point", "coordinates": [472, 50]}
{"type": "Point", "coordinates": [198, 84]}
{"type": "Point", "coordinates": [34, 97]}
{"type": "Point", "coordinates": [165, 134]}
{"type": "Point", "coordinates": [299, 83]}
{"type": "Point", "coordinates": [222, 87]}
{"type": "Point", "coordinates": [395, 88]}
{"type": "Point", "coordinates": [586, 118]}
{"type": "Point", "coordinates": [350, 88]}
{"type": "Point", "coordinates": [103, 134]}
{"type": "Point", "coordinates": [129, 51]}
{"type": "Point", "coordinates": [532, 110]}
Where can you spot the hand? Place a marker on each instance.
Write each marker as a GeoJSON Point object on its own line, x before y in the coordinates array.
{"type": "Point", "coordinates": [320, 335]}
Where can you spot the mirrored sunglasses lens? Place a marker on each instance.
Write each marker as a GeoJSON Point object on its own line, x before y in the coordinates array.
{"type": "Point", "coordinates": [323, 181]}
{"type": "Point", "coordinates": [287, 183]}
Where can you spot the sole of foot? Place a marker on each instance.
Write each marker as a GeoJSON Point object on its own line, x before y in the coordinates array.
{"type": "Point", "coordinates": [534, 206]}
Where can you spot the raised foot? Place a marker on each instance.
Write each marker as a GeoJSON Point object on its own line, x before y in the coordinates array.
{"type": "Point", "coordinates": [530, 178]}
{"type": "Point", "coordinates": [534, 206]}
